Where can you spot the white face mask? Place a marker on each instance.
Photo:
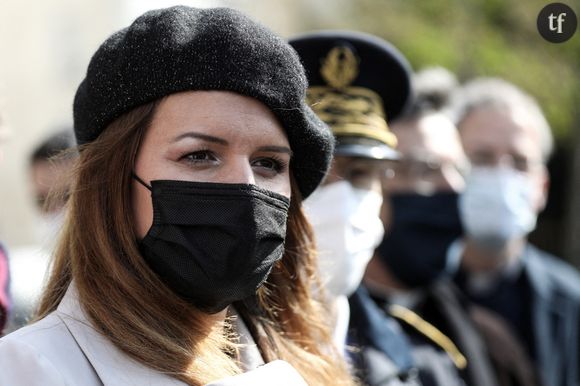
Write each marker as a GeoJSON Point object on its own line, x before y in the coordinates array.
{"type": "Point", "coordinates": [497, 206]}
{"type": "Point", "coordinates": [347, 228]}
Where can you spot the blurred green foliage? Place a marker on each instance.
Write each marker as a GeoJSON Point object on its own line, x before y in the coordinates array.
{"type": "Point", "coordinates": [476, 38]}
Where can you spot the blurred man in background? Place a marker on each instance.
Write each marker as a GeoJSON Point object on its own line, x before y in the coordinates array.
{"type": "Point", "coordinates": [357, 82]}
{"type": "Point", "coordinates": [508, 143]}
{"type": "Point", "coordinates": [4, 276]}
{"type": "Point", "coordinates": [49, 166]}
{"type": "Point", "coordinates": [421, 221]}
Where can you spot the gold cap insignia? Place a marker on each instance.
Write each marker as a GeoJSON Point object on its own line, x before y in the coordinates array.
{"type": "Point", "coordinates": [340, 67]}
{"type": "Point", "coordinates": [348, 110]}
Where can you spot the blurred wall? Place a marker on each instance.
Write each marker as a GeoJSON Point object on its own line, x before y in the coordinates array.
{"type": "Point", "coordinates": [44, 49]}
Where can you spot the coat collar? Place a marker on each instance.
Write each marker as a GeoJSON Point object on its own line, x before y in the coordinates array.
{"type": "Point", "coordinates": [536, 271]}
{"type": "Point", "coordinates": [113, 367]}
{"type": "Point", "coordinates": [250, 357]}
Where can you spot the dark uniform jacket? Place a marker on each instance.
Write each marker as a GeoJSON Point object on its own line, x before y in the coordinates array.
{"type": "Point", "coordinates": [445, 345]}
{"type": "Point", "coordinates": [555, 288]}
{"type": "Point", "coordinates": [381, 352]}
{"type": "Point", "coordinates": [549, 295]}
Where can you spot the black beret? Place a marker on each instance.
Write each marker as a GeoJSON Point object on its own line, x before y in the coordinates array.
{"type": "Point", "coordinates": [358, 83]}
{"type": "Point", "coordinates": [182, 48]}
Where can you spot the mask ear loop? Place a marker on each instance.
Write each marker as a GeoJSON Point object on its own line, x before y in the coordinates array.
{"type": "Point", "coordinates": [139, 180]}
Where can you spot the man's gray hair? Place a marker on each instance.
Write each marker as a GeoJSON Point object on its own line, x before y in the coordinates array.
{"type": "Point", "coordinates": [495, 92]}
{"type": "Point", "coordinates": [433, 88]}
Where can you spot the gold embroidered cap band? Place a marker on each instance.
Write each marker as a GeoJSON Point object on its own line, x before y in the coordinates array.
{"type": "Point", "coordinates": [351, 111]}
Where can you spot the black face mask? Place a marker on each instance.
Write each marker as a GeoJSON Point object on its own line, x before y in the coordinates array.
{"type": "Point", "coordinates": [422, 228]}
{"type": "Point", "coordinates": [212, 243]}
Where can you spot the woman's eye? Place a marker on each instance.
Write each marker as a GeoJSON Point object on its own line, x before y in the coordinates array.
{"type": "Point", "coordinates": [201, 156]}
{"type": "Point", "coordinates": [271, 164]}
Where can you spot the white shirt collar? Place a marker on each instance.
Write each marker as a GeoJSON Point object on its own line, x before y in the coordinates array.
{"type": "Point", "coordinates": [342, 314]}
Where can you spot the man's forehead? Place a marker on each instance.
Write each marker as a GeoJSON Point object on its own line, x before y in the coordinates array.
{"type": "Point", "coordinates": [496, 129]}
{"type": "Point", "coordinates": [432, 135]}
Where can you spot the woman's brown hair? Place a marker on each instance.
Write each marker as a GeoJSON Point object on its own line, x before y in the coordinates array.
{"type": "Point", "coordinates": [129, 304]}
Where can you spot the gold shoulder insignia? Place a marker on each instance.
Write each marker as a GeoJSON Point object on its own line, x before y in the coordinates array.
{"type": "Point", "coordinates": [431, 332]}
{"type": "Point", "coordinates": [340, 67]}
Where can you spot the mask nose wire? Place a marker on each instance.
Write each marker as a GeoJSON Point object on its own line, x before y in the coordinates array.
{"type": "Point", "coordinates": [139, 180]}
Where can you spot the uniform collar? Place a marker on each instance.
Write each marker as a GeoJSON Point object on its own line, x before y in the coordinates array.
{"type": "Point", "coordinates": [113, 367]}
{"type": "Point", "coordinates": [483, 282]}
{"type": "Point", "coordinates": [537, 274]}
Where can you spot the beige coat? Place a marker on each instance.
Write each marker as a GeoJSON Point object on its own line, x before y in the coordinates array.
{"type": "Point", "coordinates": [64, 349]}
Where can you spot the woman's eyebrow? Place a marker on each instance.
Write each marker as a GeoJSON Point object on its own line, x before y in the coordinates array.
{"type": "Point", "coordinates": [221, 141]}
{"type": "Point", "coordinates": [205, 137]}
{"type": "Point", "coordinates": [276, 149]}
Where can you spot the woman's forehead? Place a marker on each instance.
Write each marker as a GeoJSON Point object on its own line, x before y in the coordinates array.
{"type": "Point", "coordinates": [226, 115]}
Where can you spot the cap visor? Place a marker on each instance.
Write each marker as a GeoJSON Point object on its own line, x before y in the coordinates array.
{"type": "Point", "coordinates": [379, 152]}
